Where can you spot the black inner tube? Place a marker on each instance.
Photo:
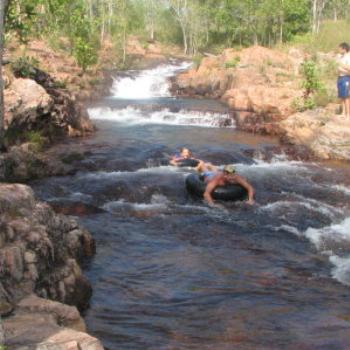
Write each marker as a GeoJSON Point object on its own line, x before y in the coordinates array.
{"type": "Point", "coordinates": [190, 163]}
{"type": "Point", "coordinates": [231, 192]}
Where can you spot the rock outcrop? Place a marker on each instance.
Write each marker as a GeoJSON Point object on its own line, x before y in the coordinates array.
{"type": "Point", "coordinates": [40, 253]}
{"type": "Point", "coordinates": [325, 134]}
{"type": "Point", "coordinates": [38, 105]}
{"type": "Point", "coordinates": [23, 163]}
{"type": "Point", "coordinates": [261, 86]}
{"type": "Point", "coordinates": [256, 80]}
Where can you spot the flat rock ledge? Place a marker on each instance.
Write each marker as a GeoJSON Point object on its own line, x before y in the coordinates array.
{"type": "Point", "coordinates": [40, 253]}
{"type": "Point", "coordinates": [40, 324]}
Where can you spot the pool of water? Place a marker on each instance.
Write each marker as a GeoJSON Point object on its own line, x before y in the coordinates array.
{"type": "Point", "coordinates": [172, 273]}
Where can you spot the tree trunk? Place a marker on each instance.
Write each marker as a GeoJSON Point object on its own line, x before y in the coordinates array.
{"type": "Point", "coordinates": [314, 16]}
{"type": "Point", "coordinates": [255, 38]}
{"type": "Point", "coordinates": [110, 15]}
{"type": "Point", "coordinates": [124, 44]}
{"type": "Point", "coordinates": [103, 29]}
{"type": "Point", "coordinates": [152, 14]}
{"type": "Point", "coordinates": [184, 36]}
{"type": "Point", "coordinates": [317, 11]}
{"type": "Point", "coordinates": [3, 7]}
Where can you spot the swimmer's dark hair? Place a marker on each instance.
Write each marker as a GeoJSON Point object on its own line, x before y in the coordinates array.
{"type": "Point", "coordinates": [345, 46]}
{"type": "Point", "coordinates": [183, 148]}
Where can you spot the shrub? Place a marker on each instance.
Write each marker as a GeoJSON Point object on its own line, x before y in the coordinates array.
{"type": "Point", "coordinates": [36, 138]}
{"type": "Point", "coordinates": [303, 104]}
{"type": "Point", "coordinates": [311, 80]}
{"type": "Point", "coordinates": [24, 67]}
{"type": "Point", "coordinates": [233, 63]}
{"type": "Point", "coordinates": [315, 93]}
{"type": "Point", "coordinates": [84, 53]}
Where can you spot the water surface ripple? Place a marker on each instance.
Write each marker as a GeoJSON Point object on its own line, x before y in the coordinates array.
{"type": "Point", "coordinates": [171, 273]}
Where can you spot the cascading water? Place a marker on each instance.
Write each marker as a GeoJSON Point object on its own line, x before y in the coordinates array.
{"type": "Point", "coordinates": [146, 84]}
{"type": "Point", "coordinates": [132, 96]}
{"type": "Point", "coordinates": [172, 273]}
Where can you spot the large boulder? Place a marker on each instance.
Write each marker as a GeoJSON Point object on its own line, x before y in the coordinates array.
{"type": "Point", "coordinates": [40, 250]}
{"type": "Point", "coordinates": [256, 80]}
{"type": "Point", "coordinates": [273, 101]}
{"type": "Point", "coordinates": [39, 105]}
{"type": "Point", "coordinates": [25, 100]}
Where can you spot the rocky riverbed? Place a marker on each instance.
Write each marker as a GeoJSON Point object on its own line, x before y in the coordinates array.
{"type": "Point", "coordinates": [42, 286]}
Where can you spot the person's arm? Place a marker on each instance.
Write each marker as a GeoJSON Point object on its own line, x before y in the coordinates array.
{"type": "Point", "coordinates": [200, 167]}
{"type": "Point", "coordinates": [245, 184]}
{"type": "Point", "coordinates": [175, 159]}
{"type": "Point", "coordinates": [209, 190]}
{"type": "Point", "coordinates": [344, 66]}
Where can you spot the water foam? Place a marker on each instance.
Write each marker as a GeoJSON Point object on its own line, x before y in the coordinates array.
{"type": "Point", "coordinates": [336, 232]}
{"type": "Point", "coordinates": [103, 175]}
{"type": "Point", "coordinates": [148, 83]}
{"type": "Point", "coordinates": [134, 116]}
{"type": "Point", "coordinates": [341, 270]}
{"type": "Point", "coordinates": [341, 188]}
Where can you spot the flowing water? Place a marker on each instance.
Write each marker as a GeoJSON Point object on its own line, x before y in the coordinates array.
{"type": "Point", "coordinates": [172, 273]}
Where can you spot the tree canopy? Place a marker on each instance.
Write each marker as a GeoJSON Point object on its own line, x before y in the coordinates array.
{"type": "Point", "coordinates": [196, 24]}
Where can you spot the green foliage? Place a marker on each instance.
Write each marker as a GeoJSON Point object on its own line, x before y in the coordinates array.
{"type": "Point", "coordinates": [200, 24]}
{"type": "Point", "coordinates": [20, 17]}
{"type": "Point", "coordinates": [303, 104]}
{"type": "Point", "coordinates": [24, 67]}
{"type": "Point", "coordinates": [15, 136]}
{"type": "Point", "coordinates": [331, 34]}
{"type": "Point", "coordinates": [36, 138]}
{"type": "Point", "coordinates": [315, 92]}
{"type": "Point", "coordinates": [84, 53]}
{"type": "Point", "coordinates": [83, 41]}
{"type": "Point", "coordinates": [311, 80]}
{"type": "Point", "coordinates": [233, 63]}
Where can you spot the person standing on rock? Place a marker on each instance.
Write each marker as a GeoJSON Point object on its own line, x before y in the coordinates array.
{"type": "Point", "coordinates": [344, 78]}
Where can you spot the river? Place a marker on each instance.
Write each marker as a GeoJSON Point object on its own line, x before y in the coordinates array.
{"type": "Point", "coordinates": [172, 273]}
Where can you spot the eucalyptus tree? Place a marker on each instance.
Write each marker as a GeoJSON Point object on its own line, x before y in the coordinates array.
{"type": "Point", "coordinates": [318, 7]}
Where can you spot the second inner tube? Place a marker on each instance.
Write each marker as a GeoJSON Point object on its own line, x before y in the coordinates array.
{"type": "Point", "coordinates": [231, 192]}
{"type": "Point", "coordinates": [189, 163]}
